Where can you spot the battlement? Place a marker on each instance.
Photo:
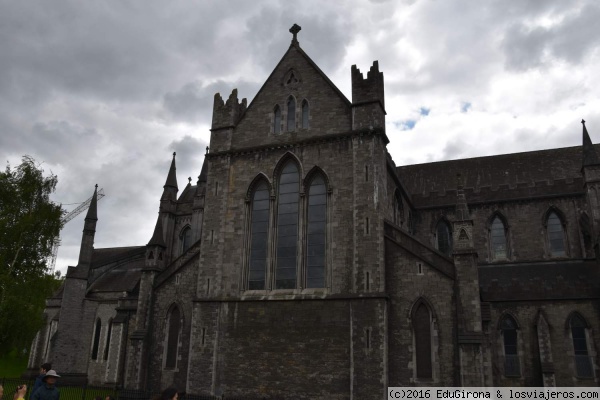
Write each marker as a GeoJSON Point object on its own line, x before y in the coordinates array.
{"type": "Point", "coordinates": [369, 89]}
{"type": "Point", "coordinates": [227, 114]}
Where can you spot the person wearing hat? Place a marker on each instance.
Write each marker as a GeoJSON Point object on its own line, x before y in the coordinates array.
{"type": "Point", "coordinates": [39, 380]}
{"type": "Point", "coordinates": [48, 391]}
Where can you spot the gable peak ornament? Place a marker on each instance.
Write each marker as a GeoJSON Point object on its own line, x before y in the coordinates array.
{"type": "Point", "coordinates": [294, 31]}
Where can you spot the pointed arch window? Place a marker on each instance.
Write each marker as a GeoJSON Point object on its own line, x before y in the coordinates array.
{"type": "Point", "coordinates": [277, 119]}
{"type": "Point", "coordinates": [291, 114]}
{"type": "Point", "coordinates": [556, 236]}
{"type": "Point", "coordinates": [398, 209]}
{"type": "Point", "coordinates": [186, 239]}
{"type": "Point", "coordinates": [107, 345]}
{"type": "Point", "coordinates": [287, 227]}
{"type": "Point", "coordinates": [173, 332]}
{"type": "Point", "coordinates": [583, 363]}
{"type": "Point", "coordinates": [498, 239]}
{"type": "Point", "coordinates": [508, 328]}
{"type": "Point", "coordinates": [305, 111]}
{"type": "Point", "coordinates": [259, 235]}
{"type": "Point", "coordinates": [96, 343]}
{"type": "Point", "coordinates": [422, 337]}
{"type": "Point", "coordinates": [316, 231]}
{"type": "Point", "coordinates": [443, 234]}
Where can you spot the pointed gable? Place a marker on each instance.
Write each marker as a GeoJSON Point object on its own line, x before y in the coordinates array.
{"type": "Point", "coordinates": [295, 81]}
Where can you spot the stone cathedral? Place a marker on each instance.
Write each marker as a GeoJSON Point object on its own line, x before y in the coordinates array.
{"type": "Point", "coordinates": [306, 264]}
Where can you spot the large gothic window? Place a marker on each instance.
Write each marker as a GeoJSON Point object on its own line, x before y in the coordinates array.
{"type": "Point", "coordinates": [305, 114]}
{"type": "Point", "coordinates": [259, 234]}
{"type": "Point", "coordinates": [287, 227]}
{"type": "Point", "coordinates": [583, 364]}
{"type": "Point", "coordinates": [186, 239]}
{"type": "Point", "coordinates": [444, 238]}
{"type": "Point", "coordinates": [422, 337]}
{"type": "Point", "coordinates": [291, 114]}
{"type": "Point", "coordinates": [286, 247]}
{"type": "Point", "coordinates": [508, 328]}
{"type": "Point", "coordinates": [173, 331]}
{"type": "Point", "coordinates": [277, 120]}
{"type": "Point", "coordinates": [96, 343]}
{"type": "Point", "coordinates": [556, 237]}
{"type": "Point", "coordinates": [498, 239]}
{"type": "Point", "coordinates": [315, 237]}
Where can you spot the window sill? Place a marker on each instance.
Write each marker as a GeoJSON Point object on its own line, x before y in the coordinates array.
{"type": "Point", "coordinates": [279, 294]}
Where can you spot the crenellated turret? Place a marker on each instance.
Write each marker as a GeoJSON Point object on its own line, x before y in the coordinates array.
{"type": "Point", "coordinates": [227, 114]}
{"type": "Point", "coordinates": [368, 100]}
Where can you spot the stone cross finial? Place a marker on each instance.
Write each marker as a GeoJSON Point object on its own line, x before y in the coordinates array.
{"type": "Point", "coordinates": [190, 180]}
{"type": "Point", "coordinates": [583, 121]}
{"type": "Point", "coordinates": [294, 30]}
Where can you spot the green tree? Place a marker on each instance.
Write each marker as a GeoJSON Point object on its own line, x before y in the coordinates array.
{"type": "Point", "coordinates": [29, 224]}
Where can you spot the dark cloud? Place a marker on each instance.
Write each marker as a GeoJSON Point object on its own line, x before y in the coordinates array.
{"type": "Point", "coordinates": [190, 155]}
{"type": "Point", "coordinates": [193, 102]}
{"type": "Point", "coordinates": [319, 32]}
{"type": "Point", "coordinates": [571, 39]}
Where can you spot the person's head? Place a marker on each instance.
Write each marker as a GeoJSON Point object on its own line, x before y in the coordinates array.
{"type": "Point", "coordinates": [45, 368]}
{"type": "Point", "coordinates": [1, 392]}
{"type": "Point", "coordinates": [169, 394]}
{"type": "Point", "coordinates": [50, 377]}
{"type": "Point", "coordinates": [109, 398]}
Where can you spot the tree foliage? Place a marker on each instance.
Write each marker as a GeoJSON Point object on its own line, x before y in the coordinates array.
{"type": "Point", "coordinates": [29, 224]}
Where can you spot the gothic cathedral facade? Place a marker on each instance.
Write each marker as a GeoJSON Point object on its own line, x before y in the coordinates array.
{"type": "Point", "coordinates": [304, 264]}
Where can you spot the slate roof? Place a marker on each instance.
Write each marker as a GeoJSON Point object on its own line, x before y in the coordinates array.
{"type": "Point", "coordinates": [549, 280]}
{"type": "Point", "coordinates": [187, 196]}
{"type": "Point", "coordinates": [123, 278]}
{"type": "Point", "coordinates": [495, 178]}
{"type": "Point", "coordinates": [112, 254]}
{"type": "Point", "coordinates": [124, 275]}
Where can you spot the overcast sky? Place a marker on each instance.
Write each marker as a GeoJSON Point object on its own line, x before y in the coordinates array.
{"type": "Point", "coordinates": [103, 92]}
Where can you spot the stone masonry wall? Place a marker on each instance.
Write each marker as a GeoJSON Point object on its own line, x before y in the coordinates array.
{"type": "Point", "coordinates": [293, 349]}
{"type": "Point", "coordinates": [178, 289]}
{"type": "Point", "coordinates": [527, 239]}
{"type": "Point", "coordinates": [557, 314]}
{"type": "Point", "coordinates": [97, 368]}
{"type": "Point", "coordinates": [405, 287]}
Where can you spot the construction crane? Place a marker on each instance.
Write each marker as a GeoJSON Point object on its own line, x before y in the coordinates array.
{"type": "Point", "coordinates": [66, 218]}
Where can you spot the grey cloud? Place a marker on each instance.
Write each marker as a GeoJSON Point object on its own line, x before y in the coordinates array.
{"type": "Point", "coordinates": [323, 36]}
{"type": "Point", "coordinates": [454, 150]}
{"type": "Point", "coordinates": [193, 102]}
{"type": "Point", "coordinates": [575, 36]}
{"type": "Point", "coordinates": [51, 141]}
{"type": "Point", "coordinates": [190, 155]}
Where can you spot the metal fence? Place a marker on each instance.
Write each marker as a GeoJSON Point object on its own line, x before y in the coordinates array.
{"type": "Point", "coordinates": [87, 392]}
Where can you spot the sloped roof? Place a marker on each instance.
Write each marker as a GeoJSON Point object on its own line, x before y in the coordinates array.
{"type": "Point", "coordinates": [187, 196]}
{"type": "Point", "coordinates": [112, 254]}
{"type": "Point", "coordinates": [527, 174]}
{"type": "Point", "coordinates": [124, 277]}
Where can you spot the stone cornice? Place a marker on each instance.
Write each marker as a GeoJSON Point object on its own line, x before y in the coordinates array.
{"type": "Point", "coordinates": [301, 143]}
